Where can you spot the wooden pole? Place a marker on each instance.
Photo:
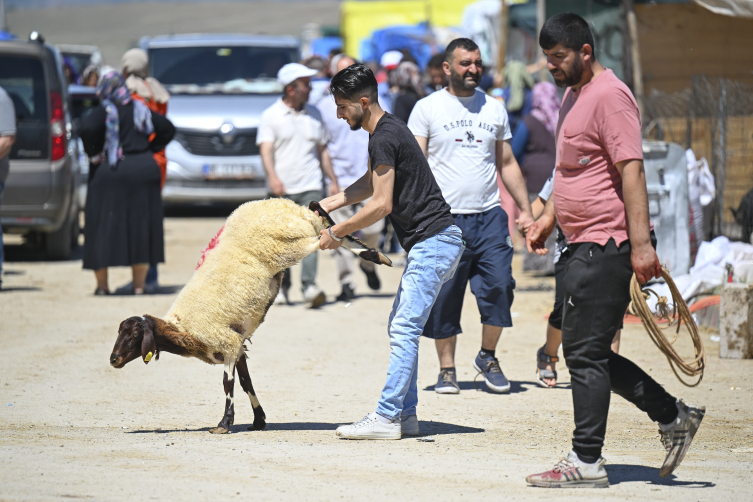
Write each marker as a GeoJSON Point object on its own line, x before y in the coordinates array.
{"type": "Point", "coordinates": [635, 54]}
{"type": "Point", "coordinates": [540, 16]}
{"type": "Point", "coordinates": [540, 19]}
{"type": "Point", "coordinates": [503, 22]}
{"type": "Point", "coordinates": [721, 147]}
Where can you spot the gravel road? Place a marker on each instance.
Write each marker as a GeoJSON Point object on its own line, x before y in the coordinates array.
{"type": "Point", "coordinates": [72, 427]}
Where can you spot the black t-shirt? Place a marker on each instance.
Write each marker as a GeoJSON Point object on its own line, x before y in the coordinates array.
{"type": "Point", "coordinates": [419, 210]}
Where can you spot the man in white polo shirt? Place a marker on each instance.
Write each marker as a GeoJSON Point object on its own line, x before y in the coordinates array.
{"type": "Point", "coordinates": [465, 135]}
{"type": "Point", "coordinates": [292, 141]}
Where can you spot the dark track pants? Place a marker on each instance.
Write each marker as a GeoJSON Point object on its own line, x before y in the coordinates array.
{"type": "Point", "coordinates": [597, 293]}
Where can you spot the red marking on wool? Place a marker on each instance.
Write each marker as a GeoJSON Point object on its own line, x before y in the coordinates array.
{"type": "Point", "coordinates": [215, 240]}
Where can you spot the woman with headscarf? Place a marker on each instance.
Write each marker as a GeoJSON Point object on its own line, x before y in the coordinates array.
{"type": "Point", "coordinates": [69, 71]}
{"type": "Point", "coordinates": [533, 138]}
{"type": "Point", "coordinates": [90, 76]}
{"type": "Point", "coordinates": [123, 203]}
{"type": "Point", "coordinates": [134, 65]}
{"type": "Point", "coordinates": [135, 68]}
{"type": "Point", "coordinates": [407, 78]}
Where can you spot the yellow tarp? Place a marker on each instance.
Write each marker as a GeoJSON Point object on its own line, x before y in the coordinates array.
{"type": "Point", "coordinates": [360, 19]}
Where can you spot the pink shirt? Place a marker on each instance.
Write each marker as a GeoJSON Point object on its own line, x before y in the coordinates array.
{"type": "Point", "coordinates": [599, 126]}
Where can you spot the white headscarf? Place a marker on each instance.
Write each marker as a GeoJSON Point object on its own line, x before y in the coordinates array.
{"type": "Point", "coordinates": [135, 64]}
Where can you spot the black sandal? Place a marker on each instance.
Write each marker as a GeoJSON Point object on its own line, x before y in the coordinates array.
{"type": "Point", "coordinates": [541, 374]}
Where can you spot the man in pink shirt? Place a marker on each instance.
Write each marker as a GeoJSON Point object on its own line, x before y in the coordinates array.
{"type": "Point", "coordinates": [600, 203]}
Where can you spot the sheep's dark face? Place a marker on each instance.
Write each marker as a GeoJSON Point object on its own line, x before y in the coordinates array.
{"type": "Point", "coordinates": [135, 338]}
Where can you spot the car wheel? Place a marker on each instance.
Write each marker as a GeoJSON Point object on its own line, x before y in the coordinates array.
{"type": "Point", "coordinates": [58, 245]}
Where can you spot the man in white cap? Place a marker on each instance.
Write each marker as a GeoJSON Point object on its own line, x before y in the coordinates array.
{"type": "Point", "coordinates": [292, 141]}
{"type": "Point", "coordinates": [389, 61]}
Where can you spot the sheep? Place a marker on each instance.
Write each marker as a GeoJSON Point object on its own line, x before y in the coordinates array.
{"type": "Point", "coordinates": [233, 286]}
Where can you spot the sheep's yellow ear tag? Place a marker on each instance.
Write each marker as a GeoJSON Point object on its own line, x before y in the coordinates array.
{"type": "Point", "coordinates": [148, 357]}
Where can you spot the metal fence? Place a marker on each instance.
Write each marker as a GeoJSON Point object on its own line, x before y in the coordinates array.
{"type": "Point", "coordinates": [714, 117]}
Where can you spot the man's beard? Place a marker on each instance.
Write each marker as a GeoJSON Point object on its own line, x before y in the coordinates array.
{"type": "Point", "coordinates": [357, 121]}
{"type": "Point", "coordinates": [459, 82]}
{"type": "Point", "coordinates": [572, 78]}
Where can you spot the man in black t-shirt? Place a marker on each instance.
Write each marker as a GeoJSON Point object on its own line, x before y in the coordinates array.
{"type": "Point", "coordinates": [401, 186]}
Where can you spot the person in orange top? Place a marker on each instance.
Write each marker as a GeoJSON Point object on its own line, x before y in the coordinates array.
{"type": "Point", "coordinates": [135, 68]}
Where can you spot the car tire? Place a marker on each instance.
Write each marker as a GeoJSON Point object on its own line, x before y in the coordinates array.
{"type": "Point", "coordinates": [59, 244]}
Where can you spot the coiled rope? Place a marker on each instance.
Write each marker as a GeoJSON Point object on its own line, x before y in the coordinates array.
{"type": "Point", "coordinates": [675, 314]}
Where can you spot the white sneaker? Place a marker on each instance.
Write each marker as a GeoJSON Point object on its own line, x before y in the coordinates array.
{"type": "Point", "coordinates": [370, 427]}
{"type": "Point", "coordinates": [282, 297]}
{"type": "Point", "coordinates": [314, 297]}
{"type": "Point", "coordinates": [409, 425]}
{"type": "Point", "coordinates": [572, 472]}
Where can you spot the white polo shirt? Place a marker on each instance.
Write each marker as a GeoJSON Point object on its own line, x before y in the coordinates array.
{"type": "Point", "coordinates": [463, 134]}
{"type": "Point", "coordinates": [295, 137]}
{"type": "Point", "coordinates": [349, 149]}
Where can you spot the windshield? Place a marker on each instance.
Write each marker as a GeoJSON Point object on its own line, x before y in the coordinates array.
{"type": "Point", "coordinates": [234, 69]}
{"type": "Point", "coordinates": [23, 80]}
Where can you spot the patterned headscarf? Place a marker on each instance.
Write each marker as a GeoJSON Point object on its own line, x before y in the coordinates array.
{"type": "Point", "coordinates": [546, 105]}
{"type": "Point", "coordinates": [518, 80]}
{"type": "Point", "coordinates": [407, 75]}
{"type": "Point", "coordinates": [112, 91]}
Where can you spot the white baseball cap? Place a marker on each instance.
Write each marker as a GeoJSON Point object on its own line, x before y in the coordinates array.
{"type": "Point", "coordinates": [391, 59]}
{"type": "Point", "coordinates": [293, 71]}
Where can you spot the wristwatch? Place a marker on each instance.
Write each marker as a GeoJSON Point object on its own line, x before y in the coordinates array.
{"type": "Point", "coordinates": [338, 239]}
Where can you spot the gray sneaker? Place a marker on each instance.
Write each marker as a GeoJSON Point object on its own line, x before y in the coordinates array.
{"type": "Point", "coordinates": [495, 379]}
{"type": "Point", "coordinates": [447, 383]}
{"type": "Point", "coordinates": [677, 436]}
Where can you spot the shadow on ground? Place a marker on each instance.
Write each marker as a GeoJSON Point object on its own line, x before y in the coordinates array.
{"type": "Point", "coordinates": [127, 290]}
{"type": "Point", "coordinates": [427, 428]}
{"type": "Point", "coordinates": [480, 386]}
{"type": "Point", "coordinates": [442, 428]}
{"type": "Point", "coordinates": [626, 473]}
{"type": "Point", "coordinates": [8, 289]}
{"type": "Point", "coordinates": [236, 428]}
{"type": "Point", "coordinates": [14, 272]}
{"type": "Point", "coordinates": [31, 253]}
{"type": "Point", "coordinates": [199, 211]}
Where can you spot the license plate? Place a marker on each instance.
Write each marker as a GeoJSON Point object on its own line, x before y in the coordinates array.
{"type": "Point", "coordinates": [232, 171]}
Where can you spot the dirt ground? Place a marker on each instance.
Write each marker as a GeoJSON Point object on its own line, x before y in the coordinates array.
{"type": "Point", "coordinates": [72, 427]}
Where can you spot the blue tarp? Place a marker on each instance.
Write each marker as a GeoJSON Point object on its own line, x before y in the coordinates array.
{"type": "Point", "coordinates": [418, 39]}
{"type": "Point", "coordinates": [323, 45]}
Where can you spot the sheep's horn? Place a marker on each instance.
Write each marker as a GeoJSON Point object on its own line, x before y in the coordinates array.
{"type": "Point", "coordinates": [353, 244]}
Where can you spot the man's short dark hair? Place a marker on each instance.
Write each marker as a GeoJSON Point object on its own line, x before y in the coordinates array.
{"type": "Point", "coordinates": [436, 61]}
{"type": "Point", "coordinates": [568, 29]}
{"type": "Point", "coordinates": [463, 43]}
{"type": "Point", "coordinates": [353, 83]}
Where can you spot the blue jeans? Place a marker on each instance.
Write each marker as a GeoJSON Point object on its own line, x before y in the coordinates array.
{"type": "Point", "coordinates": [430, 264]}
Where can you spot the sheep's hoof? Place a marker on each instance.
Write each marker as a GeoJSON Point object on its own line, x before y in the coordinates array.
{"type": "Point", "coordinates": [219, 430]}
{"type": "Point", "coordinates": [258, 425]}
